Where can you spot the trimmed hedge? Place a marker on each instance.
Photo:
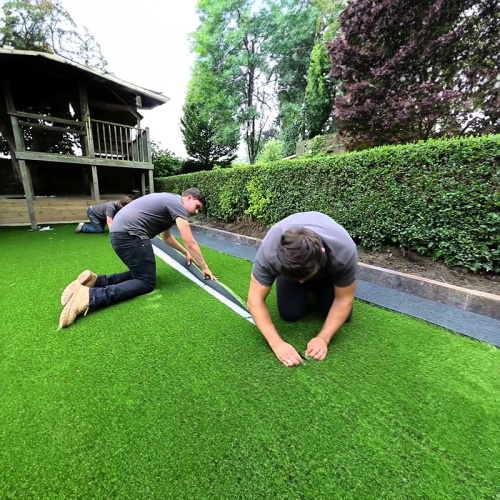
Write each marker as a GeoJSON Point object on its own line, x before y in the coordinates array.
{"type": "Point", "coordinates": [437, 197]}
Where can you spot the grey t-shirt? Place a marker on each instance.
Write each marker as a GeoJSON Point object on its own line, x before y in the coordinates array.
{"type": "Point", "coordinates": [106, 209]}
{"type": "Point", "coordinates": [150, 215]}
{"type": "Point", "coordinates": [341, 257]}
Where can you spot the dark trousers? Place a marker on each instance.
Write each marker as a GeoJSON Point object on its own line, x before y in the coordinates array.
{"type": "Point", "coordinates": [137, 254]}
{"type": "Point", "coordinates": [293, 296]}
{"type": "Point", "coordinates": [96, 225]}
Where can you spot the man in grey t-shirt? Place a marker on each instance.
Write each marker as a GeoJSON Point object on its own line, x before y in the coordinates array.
{"type": "Point", "coordinates": [100, 215]}
{"type": "Point", "coordinates": [130, 235]}
{"type": "Point", "coordinates": [306, 252]}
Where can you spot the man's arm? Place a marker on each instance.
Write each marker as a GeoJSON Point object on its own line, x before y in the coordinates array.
{"type": "Point", "coordinates": [341, 307]}
{"type": "Point", "coordinates": [192, 246]}
{"type": "Point", "coordinates": [109, 221]}
{"type": "Point", "coordinates": [167, 237]}
{"type": "Point", "coordinates": [257, 295]}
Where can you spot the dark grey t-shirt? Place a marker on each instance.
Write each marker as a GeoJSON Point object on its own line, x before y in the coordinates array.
{"type": "Point", "coordinates": [341, 256]}
{"type": "Point", "coordinates": [150, 215]}
{"type": "Point", "coordinates": [106, 209]}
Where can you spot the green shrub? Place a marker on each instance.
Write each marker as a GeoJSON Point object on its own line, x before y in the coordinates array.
{"type": "Point", "coordinates": [317, 145]}
{"type": "Point", "coordinates": [164, 161]}
{"type": "Point", "coordinates": [272, 151]}
{"type": "Point", "coordinates": [438, 197]}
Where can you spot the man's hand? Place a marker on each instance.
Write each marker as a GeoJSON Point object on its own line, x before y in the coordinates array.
{"type": "Point", "coordinates": [317, 348]}
{"type": "Point", "coordinates": [188, 258]}
{"type": "Point", "coordinates": [287, 354]}
{"type": "Point", "coordinates": [208, 274]}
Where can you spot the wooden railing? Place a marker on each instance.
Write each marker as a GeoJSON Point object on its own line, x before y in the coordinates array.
{"type": "Point", "coordinates": [92, 139]}
{"type": "Point", "coordinates": [119, 142]}
{"type": "Point", "coordinates": [79, 127]}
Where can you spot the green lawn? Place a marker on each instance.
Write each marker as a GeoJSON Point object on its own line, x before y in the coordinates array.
{"type": "Point", "coordinates": [173, 395]}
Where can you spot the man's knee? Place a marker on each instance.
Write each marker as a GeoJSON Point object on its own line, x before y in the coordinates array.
{"type": "Point", "coordinates": [291, 315]}
{"type": "Point", "coordinates": [149, 285]}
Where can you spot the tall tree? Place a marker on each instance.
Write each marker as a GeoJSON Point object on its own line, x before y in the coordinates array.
{"type": "Point", "coordinates": [228, 43]}
{"type": "Point", "coordinates": [292, 27]}
{"type": "Point", "coordinates": [211, 133]}
{"type": "Point", "coordinates": [321, 87]}
{"type": "Point", "coordinates": [45, 26]}
{"type": "Point", "coordinates": [258, 55]}
{"type": "Point", "coordinates": [207, 144]}
{"type": "Point", "coordinates": [414, 70]}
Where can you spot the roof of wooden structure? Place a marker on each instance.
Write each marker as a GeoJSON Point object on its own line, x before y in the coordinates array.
{"type": "Point", "coordinates": [14, 61]}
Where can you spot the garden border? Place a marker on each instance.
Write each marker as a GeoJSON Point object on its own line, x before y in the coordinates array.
{"type": "Point", "coordinates": [482, 303]}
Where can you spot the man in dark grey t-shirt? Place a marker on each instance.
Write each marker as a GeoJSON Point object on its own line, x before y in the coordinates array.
{"type": "Point", "coordinates": [306, 252]}
{"type": "Point", "coordinates": [100, 215]}
{"type": "Point", "coordinates": [130, 235]}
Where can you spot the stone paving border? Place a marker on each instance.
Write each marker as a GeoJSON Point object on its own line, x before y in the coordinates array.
{"type": "Point", "coordinates": [482, 303]}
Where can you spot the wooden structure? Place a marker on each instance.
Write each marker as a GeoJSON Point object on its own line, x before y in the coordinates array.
{"type": "Point", "coordinates": [59, 111]}
{"type": "Point", "coordinates": [48, 210]}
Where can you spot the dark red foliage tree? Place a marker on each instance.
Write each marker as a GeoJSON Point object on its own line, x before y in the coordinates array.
{"type": "Point", "coordinates": [416, 69]}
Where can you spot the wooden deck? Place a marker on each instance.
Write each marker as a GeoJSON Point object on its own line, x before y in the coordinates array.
{"type": "Point", "coordinates": [49, 210]}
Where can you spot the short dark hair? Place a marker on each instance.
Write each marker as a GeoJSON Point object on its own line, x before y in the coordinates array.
{"type": "Point", "coordinates": [299, 253]}
{"type": "Point", "coordinates": [196, 194]}
{"type": "Point", "coordinates": [125, 201]}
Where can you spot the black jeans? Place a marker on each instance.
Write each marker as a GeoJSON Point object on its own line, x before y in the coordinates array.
{"type": "Point", "coordinates": [96, 225]}
{"type": "Point", "coordinates": [137, 254]}
{"type": "Point", "coordinates": [293, 296]}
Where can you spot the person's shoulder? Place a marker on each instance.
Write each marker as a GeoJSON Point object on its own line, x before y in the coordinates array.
{"type": "Point", "coordinates": [169, 196]}
{"type": "Point", "coordinates": [270, 242]}
{"type": "Point", "coordinates": [158, 197]}
{"type": "Point", "coordinates": [174, 204]}
{"type": "Point", "coordinates": [304, 218]}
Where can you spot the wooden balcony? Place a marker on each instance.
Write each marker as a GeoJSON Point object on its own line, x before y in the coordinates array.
{"type": "Point", "coordinates": [96, 142]}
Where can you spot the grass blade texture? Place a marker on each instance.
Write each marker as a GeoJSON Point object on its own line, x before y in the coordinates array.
{"type": "Point", "coordinates": [173, 395]}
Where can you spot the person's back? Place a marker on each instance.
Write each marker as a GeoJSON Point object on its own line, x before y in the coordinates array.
{"type": "Point", "coordinates": [100, 215]}
{"type": "Point", "coordinates": [109, 209]}
{"type": "Point", "coordinates": [150, 215]}
{"type": "Point", "coordinates": [341, 255]}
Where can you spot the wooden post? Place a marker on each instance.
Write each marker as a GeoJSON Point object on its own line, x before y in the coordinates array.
{"type": "Point", "coordinates": [20, 146]}
{"type": "Point", "coordinates": [143, 183]}
{"type": "Point", "coordinates": [89, 142]}
{"type": "Point", "coordinates": [28, 192]}
{"type": "Point", "coordinates": [150, 161]}
{"type": "Point", "coordinates": [95, 186]}
{"type": "Point", "coordinates": [89, 178]}
{"type": "Point", "coordinates": [151, 182]}
{"type": "Point", "coordinates": [84, 111]}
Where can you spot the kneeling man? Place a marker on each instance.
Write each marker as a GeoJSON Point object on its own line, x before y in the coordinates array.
{"type": "Point", "coordinates": [306, 252]}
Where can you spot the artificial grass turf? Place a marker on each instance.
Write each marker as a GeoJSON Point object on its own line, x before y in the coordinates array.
{"type": "Point", "coordinates": [174, 395]}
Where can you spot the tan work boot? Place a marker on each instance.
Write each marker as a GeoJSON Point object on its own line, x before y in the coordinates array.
{"type": "Point", "coordinates": [79, 303]}
{"type": "Point", "coordinates": [87, 278]}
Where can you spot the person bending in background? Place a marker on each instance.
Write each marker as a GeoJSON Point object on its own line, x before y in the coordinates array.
{"type": "Point", "coordinates": [130, 235]}
{"type": "Point", "coordinates": [305, 253]}
{"type": "Point", "coordinates": [100, 215]}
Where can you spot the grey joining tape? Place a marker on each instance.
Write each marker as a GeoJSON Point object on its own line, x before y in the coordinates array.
{"type": "Point", "coordinates": [217, 290]}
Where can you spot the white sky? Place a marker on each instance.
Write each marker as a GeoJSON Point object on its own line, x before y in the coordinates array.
{"type": "Point", "coordinates": [145, 42]}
